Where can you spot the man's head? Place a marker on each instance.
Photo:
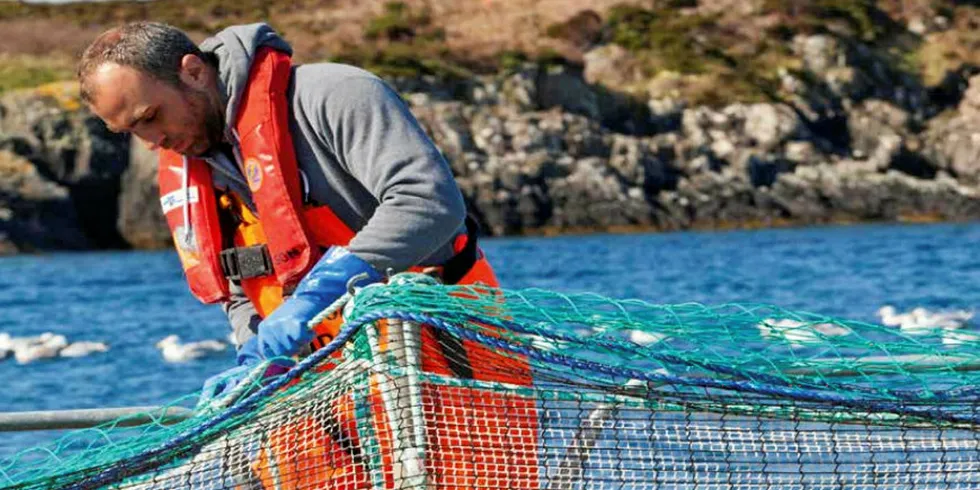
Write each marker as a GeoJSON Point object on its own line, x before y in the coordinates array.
{"type": "Point", "coordinates": [151, 80]}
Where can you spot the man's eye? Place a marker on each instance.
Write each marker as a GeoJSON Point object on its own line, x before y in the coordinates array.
{"type": "Point", "coordinates": [150, 118]}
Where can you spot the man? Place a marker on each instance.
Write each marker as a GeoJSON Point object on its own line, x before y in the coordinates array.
{"type": "Point", "coordinates": [358, 149]}
{"type": "Point", "coordinates": [281, 183]}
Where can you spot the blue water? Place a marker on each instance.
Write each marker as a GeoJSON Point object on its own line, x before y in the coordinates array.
{"type": "Point", "coordinates": [132, 300]}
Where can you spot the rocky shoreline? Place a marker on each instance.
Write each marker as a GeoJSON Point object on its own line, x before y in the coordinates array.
{"type": "Point", "coordinates": [547, 149]}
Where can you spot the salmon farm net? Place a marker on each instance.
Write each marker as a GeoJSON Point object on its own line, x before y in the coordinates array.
{"type": "Point", "coordinates": [469, 387]}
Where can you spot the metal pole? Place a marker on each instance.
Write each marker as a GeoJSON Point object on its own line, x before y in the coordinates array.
{"type": "Point", "coordinates": [86, 418]}
{"type": "Point", "coordinates": [403, 403]}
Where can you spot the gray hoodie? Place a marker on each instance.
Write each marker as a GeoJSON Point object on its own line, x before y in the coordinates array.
{"type": "Point", "coordinates": [360, 151]}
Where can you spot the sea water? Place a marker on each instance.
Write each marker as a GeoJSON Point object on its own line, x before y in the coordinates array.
{"type": "Point", "coordinates": [131, 300]}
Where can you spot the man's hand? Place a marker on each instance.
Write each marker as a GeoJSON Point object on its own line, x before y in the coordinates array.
{"type": "Point", "coordinates": [286, 330]}
{"type": "Point", "coordinates": [220, 385]}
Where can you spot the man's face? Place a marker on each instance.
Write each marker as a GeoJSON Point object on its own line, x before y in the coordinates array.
{"type": "Point", "coordinates": [187, 119]}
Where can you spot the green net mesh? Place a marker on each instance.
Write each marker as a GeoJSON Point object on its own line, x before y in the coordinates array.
{"type": "Point", "coordinates": [432, 386]}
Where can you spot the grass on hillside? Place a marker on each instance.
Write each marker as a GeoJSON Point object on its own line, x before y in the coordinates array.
{"type": "Point", "coordinates": [718, 54]}
{"type": "Point", "coordinates": [24, 71]}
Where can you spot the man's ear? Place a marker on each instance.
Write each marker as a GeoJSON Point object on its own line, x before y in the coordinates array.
{"type": "Point", "coordinates": [193, 71]}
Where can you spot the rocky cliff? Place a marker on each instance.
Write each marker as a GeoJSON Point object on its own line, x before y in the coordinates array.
{"type": "Point", "coordinates": [838, 134]}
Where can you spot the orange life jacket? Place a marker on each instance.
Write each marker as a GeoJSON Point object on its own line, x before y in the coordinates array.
{"type": "Point", "coordinates": [191, 207]}
{"type": "Point", "coordinates": [288, 238]}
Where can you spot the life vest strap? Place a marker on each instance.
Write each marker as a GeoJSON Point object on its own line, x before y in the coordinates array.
{"type": "Point", "coordinates": [467, 253]}
{"type": "Point", "coordinates": [239, 263]}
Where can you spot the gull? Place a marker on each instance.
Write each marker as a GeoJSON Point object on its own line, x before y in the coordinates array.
{"type": "Point", "coordinates": [954, 337]}
{"type": "Point", "coordinates": [9, 344]}
{"type": "Point", "coordinates": [944, 319]}
{"type": "Point", "coordinates": [798, 333]}
{"type": "Point", "coordinates": [920, 320]}
{"type": "Point", "coordinates": [82, 349]}
{"type": "Point", "coordinates": [546, 343]}
{"type": "Point", "coordinates": [45, 346]}
{"type": "Point", "coordinates": [913, 323]}
{"type": "Point", "coordinates": [646, 338]}
{"type": "Point", "coordinates": [544, 339]}
{"type": "Point", "coordinates": [891, 318]}
{"type": "Point", "coordinates": [6, 346]}
{"type": "Point", "coordinates": [174, 351]}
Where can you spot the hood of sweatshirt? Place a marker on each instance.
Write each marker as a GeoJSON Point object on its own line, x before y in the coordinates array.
{"type": "Point", "coordinates": [235, 48]}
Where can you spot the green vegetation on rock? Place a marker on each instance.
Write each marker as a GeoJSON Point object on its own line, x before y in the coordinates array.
{"type": "Point", "coordinates": [720, 67]}
{"type": "Point", "coordinates": [861, 19]}
{"type": "Point", "coordinates": [403, 43]}
{"type": "Point", "coordinates": [23, 71]}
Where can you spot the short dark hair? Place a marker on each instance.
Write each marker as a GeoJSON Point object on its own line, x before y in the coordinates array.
{"type": "Point", "coordinates": [151, 47]}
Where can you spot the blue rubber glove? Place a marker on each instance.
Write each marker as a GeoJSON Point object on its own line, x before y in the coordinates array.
{"type": "Point", "coordinates": [285, 331]}
{"type": "Point", "coordinates": [219, 385]}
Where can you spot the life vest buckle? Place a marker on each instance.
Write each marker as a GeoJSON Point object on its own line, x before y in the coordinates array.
{"type": "Point", "coordinates": [239, 263]}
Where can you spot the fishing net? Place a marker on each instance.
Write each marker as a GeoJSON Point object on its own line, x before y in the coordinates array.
{"type": "Point", "coordinates": [450, 387]}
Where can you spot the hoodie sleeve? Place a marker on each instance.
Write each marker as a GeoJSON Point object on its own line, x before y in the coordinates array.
{"type": "Point", "coordinates": [241, 313]}
{"type": "Point", "coordinates": [380, 143]}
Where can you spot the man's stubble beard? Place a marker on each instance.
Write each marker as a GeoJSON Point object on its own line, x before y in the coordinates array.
{"type": "Point", "coordinates": [212, 114]}
{"type": "Point", "coordinates": [214, 122]}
